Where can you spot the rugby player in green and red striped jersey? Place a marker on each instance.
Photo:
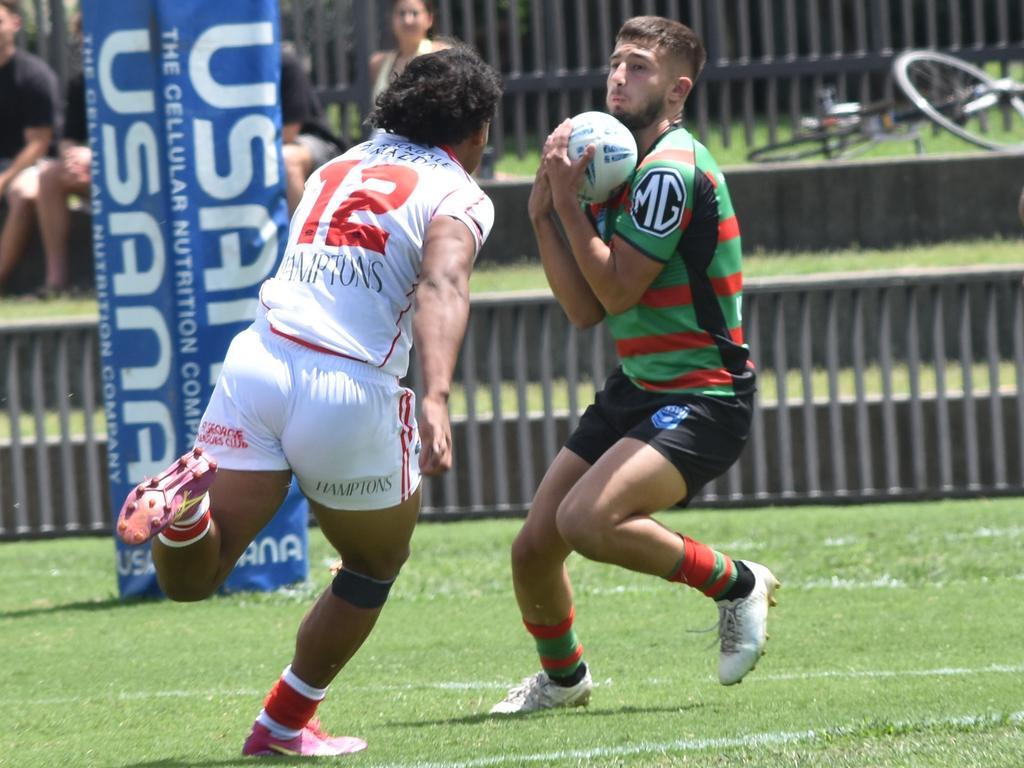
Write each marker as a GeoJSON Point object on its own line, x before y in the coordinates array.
{"type": "Point", "coordinates": [660, 262]}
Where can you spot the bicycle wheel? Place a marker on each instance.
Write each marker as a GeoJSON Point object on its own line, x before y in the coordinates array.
{"type": "Point", "coordinates": [963, 99]}
{"type": "Point", "coordinates": [829, 145]}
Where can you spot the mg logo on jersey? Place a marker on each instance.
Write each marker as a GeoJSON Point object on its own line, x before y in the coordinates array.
{"type": "Point", "coordinates": [659, 202]}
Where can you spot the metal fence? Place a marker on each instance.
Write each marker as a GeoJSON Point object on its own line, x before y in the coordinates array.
{"type": "Point", "coordinates": [893, 386]}
{"type": "Point", "coordinates": [53, 439]}
{"type": "Point", "coordinates": [767, 59]}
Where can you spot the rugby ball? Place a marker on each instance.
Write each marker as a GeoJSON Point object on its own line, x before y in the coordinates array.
{"type": "Point", "coordinates": [615, 159]}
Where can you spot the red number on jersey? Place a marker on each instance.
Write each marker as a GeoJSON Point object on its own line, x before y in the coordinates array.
{"type": "Point", "coordinates": [331, 175]}
{"type": "Point", "coordinates": [342, 230]}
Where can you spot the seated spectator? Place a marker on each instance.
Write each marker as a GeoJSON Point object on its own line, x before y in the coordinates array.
{"type": "Point", "coordinates": [411, 21]}
{"type": "Point", "coordinates": [59, 179]}
{"type": "Point", "coordinates": [29, 95]}
{"type": "Point", "coordinates": [307, 140]}
{"type": "Point", "coordinates": [308, 143]}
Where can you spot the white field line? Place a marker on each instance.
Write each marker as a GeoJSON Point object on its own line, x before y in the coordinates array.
{"type": "Point", "coordinates": [881, 673]}
{"type": "Point", "coordinates": [1013, 532]}
{"type": "Point", "coordinates": [655, 586]}
{"type": "Point", "coordinates": [770, 738]}
{"type": "Point", "coordinates": [482, 685]}
{"type": "Point", "coordinates": [883, 581]}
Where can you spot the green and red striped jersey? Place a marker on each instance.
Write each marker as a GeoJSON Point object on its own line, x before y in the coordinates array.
{"type": "Point", "coordinates": [686, 332]}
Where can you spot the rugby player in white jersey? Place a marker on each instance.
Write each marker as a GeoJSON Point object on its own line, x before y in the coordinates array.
{"type": "Point", "coordinates": [379, 255]}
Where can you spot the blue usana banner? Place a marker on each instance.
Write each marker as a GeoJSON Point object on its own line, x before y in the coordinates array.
{"type": "Point", "coordinates": [189, 217]}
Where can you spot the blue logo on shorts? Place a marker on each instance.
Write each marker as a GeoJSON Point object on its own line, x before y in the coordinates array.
{"type": "Point", "coordinates": [670, 416]}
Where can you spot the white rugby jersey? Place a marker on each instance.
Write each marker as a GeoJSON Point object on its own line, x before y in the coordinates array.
{"type": "Point", "coordinates": [355, 248]}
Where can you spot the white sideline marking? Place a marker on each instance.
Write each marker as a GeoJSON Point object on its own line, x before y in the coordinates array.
{"type": "Point", "coordinates": [478, 685]}
{"type": "Point", "coordinates": [770, 738]}
{"type": "Point", "coordinates": [1013, 532]}
{"type": "Point", "coordinates": [884, 581]}
{"type": "Point", "coordinates": [876, 673]}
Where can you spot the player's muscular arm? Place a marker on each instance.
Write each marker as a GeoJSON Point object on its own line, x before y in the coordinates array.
{"type": "Point", "coordinates": [563, 274]}
{"type": "Point", "coordinates": [441, 314]}
{"type": "Point", "coordinates": [617, 274]}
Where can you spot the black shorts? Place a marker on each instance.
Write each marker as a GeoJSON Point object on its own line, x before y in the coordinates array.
{"type": "Point", "coordinates": [701, 435]}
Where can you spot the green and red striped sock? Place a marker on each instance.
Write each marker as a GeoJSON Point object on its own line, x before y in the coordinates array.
{"type": "Point", "coordinates": [561, 654]}
{"type": "Point", "coordinates": [716, 575]}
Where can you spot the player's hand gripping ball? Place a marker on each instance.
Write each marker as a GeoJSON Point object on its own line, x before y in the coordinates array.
{"type": "Point", "coordinates": [612, 163]}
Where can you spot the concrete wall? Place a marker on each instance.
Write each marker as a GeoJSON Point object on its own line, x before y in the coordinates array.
{"type": "Point", "coordinates": [784, 207]}
{"type": "Point", "coordinates": [811, 207]}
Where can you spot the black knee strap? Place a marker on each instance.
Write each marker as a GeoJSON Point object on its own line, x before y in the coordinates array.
{"type": "Point", "coordinates": [359, 590]}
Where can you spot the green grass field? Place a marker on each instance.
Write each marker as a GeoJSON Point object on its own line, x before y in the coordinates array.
{"type": "Point", "coordinates": [897, 642]}
{"type": "Point", "coordinates": [491, 278]}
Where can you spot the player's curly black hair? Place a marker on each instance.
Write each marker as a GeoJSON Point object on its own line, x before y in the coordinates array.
{"type": "Point", "coordinates": [439, 98]}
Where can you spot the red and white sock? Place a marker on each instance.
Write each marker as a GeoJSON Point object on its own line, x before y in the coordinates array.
{"type": "Point", "coordinates": [289, 706]}
{"type": "Point", "coordinates": [191, 529]}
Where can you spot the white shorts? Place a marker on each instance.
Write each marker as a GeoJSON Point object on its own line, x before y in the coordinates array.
{"type": "Point", "coordinates": [345, 429]}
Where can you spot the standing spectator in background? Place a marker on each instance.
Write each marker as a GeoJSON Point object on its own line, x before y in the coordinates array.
{"type": "Point", "coordinates": [1020, 206]}
{"type": "Point", "coordinates": [411, 21]}
{"type": "Point", "coordinates": [308, 142]}
{"type": "Point", "coordinates": [29, 114]}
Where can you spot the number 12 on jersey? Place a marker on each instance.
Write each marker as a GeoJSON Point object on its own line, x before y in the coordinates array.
{"type": "Point", "coordinates": [342, 229]}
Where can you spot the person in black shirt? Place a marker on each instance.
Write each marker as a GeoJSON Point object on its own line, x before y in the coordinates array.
{"type": "Point", "coordinates": [308, 144]}
{"type": "Point", "coordinates": [30, 111]}
{"type": "Point", "coordinates": [307, 141]}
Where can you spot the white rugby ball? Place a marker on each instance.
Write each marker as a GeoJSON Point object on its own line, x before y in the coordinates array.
{"type": "Point", "coordinates": [614, 160]}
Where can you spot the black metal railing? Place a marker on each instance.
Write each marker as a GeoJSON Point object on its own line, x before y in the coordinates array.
{"type": "Point", "coordinates": [767, 59]}
{"type": "Point", "coordinates": [871, 387]}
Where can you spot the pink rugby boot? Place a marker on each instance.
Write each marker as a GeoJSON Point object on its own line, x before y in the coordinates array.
{"type": "Point", "coordinates": [159, 501]}
{"type": "Point", "coordinates": [311, 742]}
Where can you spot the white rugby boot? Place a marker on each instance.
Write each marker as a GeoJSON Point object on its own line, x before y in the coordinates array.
{"type": "Point", "coordinates": [742, 626]}
{"type": "Point", "coordinates": [538, 692]}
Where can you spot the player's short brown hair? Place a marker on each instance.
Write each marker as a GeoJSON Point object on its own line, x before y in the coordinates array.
{"type": "Point", "coordinates": [668, 36]}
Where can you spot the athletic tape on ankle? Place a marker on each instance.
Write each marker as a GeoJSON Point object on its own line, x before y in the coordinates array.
{"type": "Point", "coordinates": [359, 590]}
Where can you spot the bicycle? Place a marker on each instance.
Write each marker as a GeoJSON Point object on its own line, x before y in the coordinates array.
{"type": "Point", "coordinates": [963, 99]}
{"type": "Point", "coordinates": [953, 94]}
{"type": "Point", "coordinates": [843, 130]}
